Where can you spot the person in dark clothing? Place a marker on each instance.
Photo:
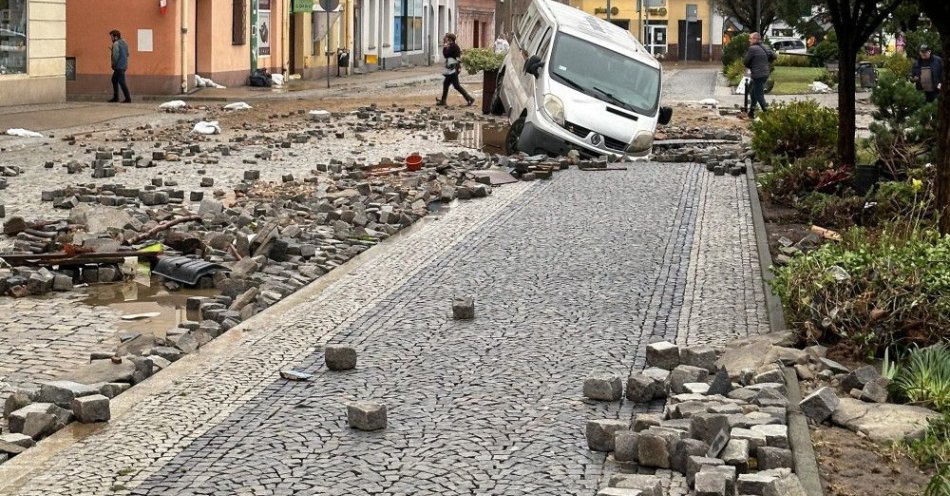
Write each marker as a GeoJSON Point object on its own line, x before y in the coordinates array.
{"type": "Point", "coordinates": [453, 66]}
{"type": "Point", "coordinates": [927, 73]}
{"type": "Point", "coordinates": [758, 60]}
{"type": "Point", "coordinates": [120, 63]}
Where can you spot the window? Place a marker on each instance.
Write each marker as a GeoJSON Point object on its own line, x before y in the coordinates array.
{"type": "Point", "coordinates": [13, 39]}
{"type": "Point", "coordinates": [407, 25]}
{"type": "Point", "coordinates": [238, 21]}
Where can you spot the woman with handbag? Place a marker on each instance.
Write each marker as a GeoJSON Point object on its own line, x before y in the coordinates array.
{"type": "Point", "coordinates": [452, 54]}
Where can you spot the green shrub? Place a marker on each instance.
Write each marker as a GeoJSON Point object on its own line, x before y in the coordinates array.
{"type": "Point", "coordinates": [734, 72]}
{"type": "Point", "coordinates": [825, 51]}
{"type": "Point", "coordinates": [794, 130]}
{"type": "Point", "coordinates": [788, 183]}
{"type": "Point", "coordinates": [934, 450]}
{"type": "Point", "coordinates": [899, 65]}
{"type": "Point", "coordinates": [788, 60]}
{"type": "Point", "coordinates": [902, 124]}
{"type": "Point", "coordinates": [895, 200]}
{"type": "Point", "coordinates": [475, 60]}
{"type": "Point", "coordinates": [735, 50]}
{"type": "Point", "coordinates": [923, 378]}
{"type": "Point", "coordinates": [877, 59]}
{"type": "Point", "coordinates": [871, 292]}
{"type": "Point", "coordinates": [940, 483]}
{"type": "Point", "coordinates": [828, 78]}
{"type": "Point", "coordinates": [925, 36]}
{"type": "Point", "coordinates": [832, 211]}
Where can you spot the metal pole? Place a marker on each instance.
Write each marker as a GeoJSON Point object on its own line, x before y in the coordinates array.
{"type": "Point", "coordinates": [328, 47]}
{"type": "Point", "coordinates": [758, 17]}
{"type": "Point", "coordinates": [642, 27]}
{"type": "Point", "coordinates": [608, 10]}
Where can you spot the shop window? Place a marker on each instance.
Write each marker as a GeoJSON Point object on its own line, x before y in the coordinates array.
{"type": "Point", "coordinates": [238, 22]}
{"type": "Point", "coordinates": [13, 40]}
{"type": "Point", "coordinates": [407, 25]}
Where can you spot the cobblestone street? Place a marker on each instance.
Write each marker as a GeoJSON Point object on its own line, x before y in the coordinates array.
{"type": "Point", "coordinates": [571, 275]}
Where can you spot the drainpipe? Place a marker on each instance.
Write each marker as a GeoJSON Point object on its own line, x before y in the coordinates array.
{"type": "Point", "coordinates": [379, 39]}
{"type": "Point", "coordinates": [184, 46]}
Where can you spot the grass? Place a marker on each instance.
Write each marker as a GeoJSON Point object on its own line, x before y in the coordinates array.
{"type": "Point", "coordinates": [794, 80]}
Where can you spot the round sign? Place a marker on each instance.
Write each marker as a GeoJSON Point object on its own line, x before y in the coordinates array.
{"type": "Point", "coordinates": [329, 5]}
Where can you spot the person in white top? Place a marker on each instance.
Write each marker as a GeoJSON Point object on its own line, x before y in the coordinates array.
{"type": "Point", "coordinates": [501, 44]}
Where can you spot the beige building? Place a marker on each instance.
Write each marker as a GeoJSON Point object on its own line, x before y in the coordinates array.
{"type": "Point", "coordinates": [32, 51]}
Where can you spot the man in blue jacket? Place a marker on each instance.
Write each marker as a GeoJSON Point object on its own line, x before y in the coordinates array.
{"type": "Point", "coordinates": [927, 73]}
{"type": "Point", "coordinates": [758, 60]}
{"type": "Point", "coordinates": [120, 63]}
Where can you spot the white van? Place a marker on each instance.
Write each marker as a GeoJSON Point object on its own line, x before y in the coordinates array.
{"type": "Point", "coordinates": [573, 81]}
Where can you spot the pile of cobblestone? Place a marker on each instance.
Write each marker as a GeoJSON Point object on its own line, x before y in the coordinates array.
{"type": "Point", "coordinates": [726, 437]}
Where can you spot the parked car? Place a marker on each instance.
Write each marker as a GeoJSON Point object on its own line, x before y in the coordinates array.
{"type": "Point", "coordinates": [788, 45]}
{"type": "Point", "coordinates": [572, 81]}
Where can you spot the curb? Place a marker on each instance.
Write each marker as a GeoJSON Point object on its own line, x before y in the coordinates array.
{"type": "Point", "coordinates": [799, 436]}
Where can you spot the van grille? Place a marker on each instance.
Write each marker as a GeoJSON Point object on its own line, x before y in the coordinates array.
{"type": "Point", "coordinates": [579, 131]}
{"type": "Point", "coordinates": [614, 144]}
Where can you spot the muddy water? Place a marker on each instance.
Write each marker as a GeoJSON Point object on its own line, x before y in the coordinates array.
{"type": "Point", "coordinates": [134, 299]}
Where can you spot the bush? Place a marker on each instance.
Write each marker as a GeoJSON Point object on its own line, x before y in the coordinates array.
{"type": "Point", "coordinates": [734, 72]}
{"type": "Point", "coordinates": [794, 130]}
{"type": "Point", "coordinates": [934, 450]}
{"type": "Point", "coordinates": [914, 39]}
{"type": "Point", "coordinates": [825, 51]}
{"type": "Point", "coordinates": [832, 210]}
{"type": "Point", "coordinates": [923, 378]}
{"type": "Point", "coordinates": [475, 60]}
{"type": "Point", "coordinates": [899, 65]}
{"type": "Point", "coordinates": [735, 50]}
{"type": "Point", "coordinates": [871, 292]}
{"type": "Point", "coordinates": [902, 125]}
{"type": "Point", "coordinates": [787, 60]}
{"type": "Point", "coordinates": [788, 184]}
{"type": "Point", "coordinates": [877, 59]}
{"type": "Point", "coordinates": [895, 200]}
{"type": "Point", "coordinates": [828, 78]}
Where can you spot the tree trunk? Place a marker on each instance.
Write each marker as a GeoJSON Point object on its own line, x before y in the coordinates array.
{"type": "Point", "coordinates": [846, 91]}
{"type": "Point", "coordinates": [943, 140]}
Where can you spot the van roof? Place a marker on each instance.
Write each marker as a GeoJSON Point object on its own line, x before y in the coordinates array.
{"type": "Point", "coordinates": [579, 23]}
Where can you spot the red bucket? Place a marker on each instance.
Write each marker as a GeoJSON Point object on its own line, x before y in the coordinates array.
{"type": "Point", "coordinates": [414, 162]}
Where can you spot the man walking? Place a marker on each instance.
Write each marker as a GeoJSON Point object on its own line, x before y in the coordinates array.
{"type": "Point", "coordinates": [120, 63]}
{"type": "Point", "coordinates": [453, 65]}
{"type": "Point", "coordinates": [757, 60]}
{"type": "Point", "coordinates": [927, 73]}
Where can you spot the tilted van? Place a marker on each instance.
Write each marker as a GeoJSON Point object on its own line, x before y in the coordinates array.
{"type": "Point", "coordinates": [573, 81]}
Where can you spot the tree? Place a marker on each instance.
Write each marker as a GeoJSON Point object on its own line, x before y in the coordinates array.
{"type": "Point", "coordinates": [854, 21]}
{"type": "Point", "coordinates": [939, 13]}
{"type": "Point", "coordinates": [755, 15]}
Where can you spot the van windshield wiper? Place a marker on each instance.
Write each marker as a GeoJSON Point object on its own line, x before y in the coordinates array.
{"type": "Point", "coordinates": [571, 83]}
{"type": "Point", "coordinates": [613, 99]}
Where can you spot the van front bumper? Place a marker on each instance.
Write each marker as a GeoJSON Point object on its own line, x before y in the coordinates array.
{"type": "Point", "coordinates": [535, 140]}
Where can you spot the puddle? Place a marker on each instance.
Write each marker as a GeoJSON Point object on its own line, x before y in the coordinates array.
{"type": "Point", "coordinates": [132, 298]}
{"type": "Point", "coordinates": [488, 137]}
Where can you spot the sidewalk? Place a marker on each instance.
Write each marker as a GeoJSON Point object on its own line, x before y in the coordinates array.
{"type": "Point", "coordinates": [87, 110]}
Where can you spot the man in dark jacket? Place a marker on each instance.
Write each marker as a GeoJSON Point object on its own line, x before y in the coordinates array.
{"type": "Point", "coordinates": [120, 63]}
{"type": "Point", "coordinates": [758, 60]}
{"type": "Point", "coordinates": [453, 55]}
{"type": "Point", "coordinates": [927, 73]}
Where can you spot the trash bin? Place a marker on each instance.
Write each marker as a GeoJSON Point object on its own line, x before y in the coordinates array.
{"type": "Point", "coordinates": [867, 74]}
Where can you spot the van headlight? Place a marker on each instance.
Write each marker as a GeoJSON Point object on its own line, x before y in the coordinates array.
{"type": "Point", "coordinates": [641, 143]}
{"type": "Point", "coordinates": [554, 108]}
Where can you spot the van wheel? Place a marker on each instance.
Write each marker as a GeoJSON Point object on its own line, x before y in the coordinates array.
{"type": "Point", "coordinates": [514, 133]}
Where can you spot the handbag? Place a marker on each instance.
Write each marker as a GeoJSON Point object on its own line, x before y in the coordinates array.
{"type": "Point", "coordinates": [451, 66]}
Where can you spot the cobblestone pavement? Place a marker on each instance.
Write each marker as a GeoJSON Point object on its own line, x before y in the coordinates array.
{"type": "Point", "coordinates": [571, 275]}
{"type": "Point", "coordinates": [42, 338]}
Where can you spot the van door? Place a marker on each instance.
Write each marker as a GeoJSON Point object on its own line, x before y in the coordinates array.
{"type": "Point", "coordinates": [522, 89]}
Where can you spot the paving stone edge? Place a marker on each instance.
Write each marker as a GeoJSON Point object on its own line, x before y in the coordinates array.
{"type": "Point", "coordinates": [799, 436]}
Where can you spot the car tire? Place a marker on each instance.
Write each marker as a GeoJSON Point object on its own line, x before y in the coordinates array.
{"type": "Point", "coordinates": [514, 133]}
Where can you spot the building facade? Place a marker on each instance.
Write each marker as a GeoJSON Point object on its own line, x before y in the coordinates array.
{"type": "Point", "coordinates": [172, 41]}
{"type": "Point", "coordinates": [32, 51]}
{"type": "Point", "coordinates": [476, 23]}
{"type": "Point", "coordinates": [396, 33]}
{"type": "Point", "coordinates": [670, 29]}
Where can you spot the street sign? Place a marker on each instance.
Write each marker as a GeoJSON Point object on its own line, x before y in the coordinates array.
{"type": "Point", "coordinates": [329, 5]}
{"type": "Point", "coordinates": [692, 12]}
{"type": "Point", "coordinates": [303, 6]}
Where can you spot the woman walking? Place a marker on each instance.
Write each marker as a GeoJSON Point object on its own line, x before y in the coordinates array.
{"type": "Point", "coordinates": [453, 66]}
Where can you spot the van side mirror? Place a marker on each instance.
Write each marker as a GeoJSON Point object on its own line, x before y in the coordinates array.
{"type": "Point", "coordinates": [666, 115]}
{"type": "Point", "coordinates": [533, 65]}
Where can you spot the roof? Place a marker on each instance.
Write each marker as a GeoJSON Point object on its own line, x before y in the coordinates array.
{"type": "Point", "coordinates": [579, 23]}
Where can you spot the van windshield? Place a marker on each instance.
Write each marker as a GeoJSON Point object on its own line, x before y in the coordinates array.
{"type": "Point", "coordinates": [605, 74]}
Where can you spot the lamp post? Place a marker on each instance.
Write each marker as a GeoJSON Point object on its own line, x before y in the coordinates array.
{"type": "Point", "coordinates": [608, 10]}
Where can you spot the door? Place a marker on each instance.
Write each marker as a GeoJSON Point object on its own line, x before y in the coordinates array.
{"type": "Point", "coordinates": [691, 40]}
{"type": "Point", "coordinates": [476, 35]}
{"type": "Point", "coordinates": [656, 40]}
{"type": "Point", "coordinates": [292, 60]}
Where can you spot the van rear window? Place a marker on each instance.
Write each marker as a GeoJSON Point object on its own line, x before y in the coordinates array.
{"type": "Point", "coordinates": [605, 74]}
